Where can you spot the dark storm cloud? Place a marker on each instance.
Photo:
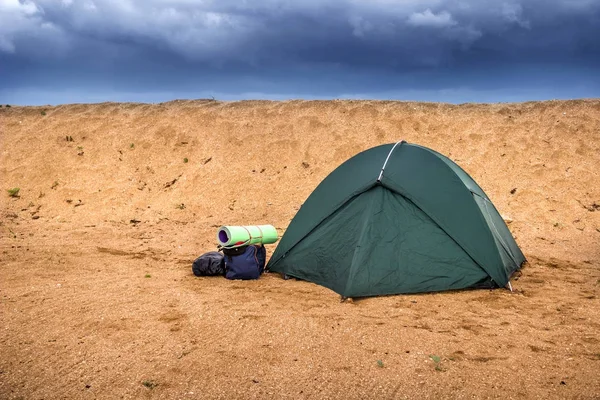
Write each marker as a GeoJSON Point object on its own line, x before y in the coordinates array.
{"type": "Point", "coordinates": [309, 47]}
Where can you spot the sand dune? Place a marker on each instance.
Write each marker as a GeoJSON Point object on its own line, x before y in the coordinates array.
{"type": "Point", "coordinates": [111, 193]}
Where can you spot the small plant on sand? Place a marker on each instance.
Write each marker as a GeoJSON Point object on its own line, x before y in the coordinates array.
{"type": "Point", "coordinates": [14, 192]}
{"type": "Point", "coordinates": [132, 146]}
{"type": "Point", "coordinates": [185, 160]}
{"type": "Point", "coordinates": [7, 106]}
{"type": "Point", "coordinates": [150, 384]}
{"type": "Point", "coordinates": [43, 112]}
{"type": "Point", "coordinates": [436, 360]}
{"type": "Point", "coordinates": [380, 363]}
{"type": "Point", "coordinates": [147, 276]}
{"type": "Point", "coordinates": [180, 206]}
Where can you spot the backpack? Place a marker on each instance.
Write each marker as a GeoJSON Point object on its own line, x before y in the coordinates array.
{"type": "Point", "coordinates": [209, 264]}
{"type": "Point", "coordinates": [245, 262]}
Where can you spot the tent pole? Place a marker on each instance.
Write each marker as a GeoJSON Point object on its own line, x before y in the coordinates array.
{"type": "Point", "coordinates": [386, 160]}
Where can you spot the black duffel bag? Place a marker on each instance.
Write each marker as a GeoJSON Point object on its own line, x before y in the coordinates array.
{"type": "Point", "coordinates": [209, 264]}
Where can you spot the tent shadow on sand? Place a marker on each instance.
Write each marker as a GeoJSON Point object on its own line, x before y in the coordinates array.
{"type": "Point", "coordinates": [398, 219]}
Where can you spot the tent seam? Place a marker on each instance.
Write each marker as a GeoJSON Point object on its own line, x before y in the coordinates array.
{"type": "Point", "coordinates": [366, 212]}
{"type": "Point", "coordinates": [497, 235]}
{"type": "Point", "coordinates": [443, 230]}
{"type": "Point", "coordinates": [469, 190]}
{"type": "Point", "coordinates": [342, 204]}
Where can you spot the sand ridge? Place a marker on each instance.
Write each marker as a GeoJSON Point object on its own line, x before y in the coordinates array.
{"type": "Point", "coordinates": [111, 193]}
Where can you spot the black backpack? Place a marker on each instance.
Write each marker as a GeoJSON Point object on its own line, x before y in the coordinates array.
{"type": "Point", "coordinates": [209, 264]}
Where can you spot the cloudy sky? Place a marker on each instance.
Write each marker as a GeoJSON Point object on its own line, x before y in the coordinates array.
{"type": "Point", "coordinates": [65, 51]}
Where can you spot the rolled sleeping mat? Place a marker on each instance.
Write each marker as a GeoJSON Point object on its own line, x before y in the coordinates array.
{"type": "Point", "coordinates": [233, 236]}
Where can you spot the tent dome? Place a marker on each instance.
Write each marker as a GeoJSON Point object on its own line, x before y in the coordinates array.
{"type": "Point", "coordinates": [398, 218]}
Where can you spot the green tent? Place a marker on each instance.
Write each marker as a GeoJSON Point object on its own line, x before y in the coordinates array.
{"type": "Point", "coordinates": [398, 218]}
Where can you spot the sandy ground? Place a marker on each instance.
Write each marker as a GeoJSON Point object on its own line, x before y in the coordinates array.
{"type": "Point", "coordinates": [97, 297]}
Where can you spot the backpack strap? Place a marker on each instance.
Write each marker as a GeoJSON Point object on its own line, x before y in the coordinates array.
{"type": "Point", "coordinates": [249, 241]}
